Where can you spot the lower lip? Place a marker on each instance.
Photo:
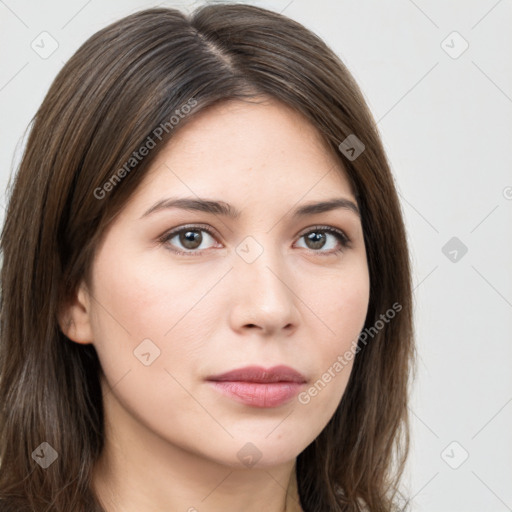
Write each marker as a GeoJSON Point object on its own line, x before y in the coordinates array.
{"type": "Point", "coordinates": [257, 394]}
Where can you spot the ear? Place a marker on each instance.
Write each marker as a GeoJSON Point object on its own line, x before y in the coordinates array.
{"type": "Point", "coordinates": [75, 317]}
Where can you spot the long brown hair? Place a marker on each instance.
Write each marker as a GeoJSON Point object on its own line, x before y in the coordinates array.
{"type": "Point", "coordinates": [123, 83]}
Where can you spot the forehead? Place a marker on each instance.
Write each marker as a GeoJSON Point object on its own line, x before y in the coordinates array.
{"type": "Point", "coordinates": [247, 151]}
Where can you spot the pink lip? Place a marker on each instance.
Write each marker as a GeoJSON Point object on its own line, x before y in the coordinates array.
{"type": "Point", "coordinates": [259, 387]}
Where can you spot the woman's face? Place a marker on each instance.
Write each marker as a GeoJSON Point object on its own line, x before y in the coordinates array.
{"type": "Point", "coordinates": [249, 282]}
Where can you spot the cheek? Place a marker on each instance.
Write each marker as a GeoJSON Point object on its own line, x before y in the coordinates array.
{"type": "Point", "coordinates": [337, 303]}
{"type": "Point", "coordinates": [149, 324]}
{"type": "Point", "coordinates": [146, 310]}
{"type": "Point", "coordinates": [338, 311]}
{"type": "Point", "coordinates": [145, 296]}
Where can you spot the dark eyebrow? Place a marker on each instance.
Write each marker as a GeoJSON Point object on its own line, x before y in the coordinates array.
{"type": "Point", "coordinates": [325, 206]}
{"type": "Point", "coordinates": [225, 209]}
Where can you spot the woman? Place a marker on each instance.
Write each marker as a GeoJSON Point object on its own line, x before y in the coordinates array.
{"type": "Point", "coordinates": [206, 298]}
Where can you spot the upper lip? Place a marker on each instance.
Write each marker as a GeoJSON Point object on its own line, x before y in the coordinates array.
{"type": "Point", "coordinates": [259, 374]}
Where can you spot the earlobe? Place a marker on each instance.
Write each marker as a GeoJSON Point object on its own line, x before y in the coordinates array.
{"type": "Point", "coordinates": [74, 317]}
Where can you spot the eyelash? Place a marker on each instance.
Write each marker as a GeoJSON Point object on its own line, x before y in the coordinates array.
{"type": "Point", "coordinates": [343, 239]}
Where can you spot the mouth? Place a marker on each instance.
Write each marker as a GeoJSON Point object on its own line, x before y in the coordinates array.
{"type": "Point", "coordinates": [259, 387]}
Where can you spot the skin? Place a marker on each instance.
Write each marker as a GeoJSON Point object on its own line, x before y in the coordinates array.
{"type": "Point", "coordinates": [171, 439]}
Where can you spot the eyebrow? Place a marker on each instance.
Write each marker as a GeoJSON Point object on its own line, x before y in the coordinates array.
{"type": "Point", "coordinates": [222, 208]}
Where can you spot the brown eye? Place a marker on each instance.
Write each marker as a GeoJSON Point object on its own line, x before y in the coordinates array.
{"type": "Point", "coordinates": [315, 240]}
{"type": "Point", "coordinates": [189, 240]}
{"type": "Point", "coordinates": [328, 238]}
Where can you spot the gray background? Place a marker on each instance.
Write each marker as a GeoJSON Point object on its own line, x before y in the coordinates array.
{"type": "Point", "coordinates": [445, 116]}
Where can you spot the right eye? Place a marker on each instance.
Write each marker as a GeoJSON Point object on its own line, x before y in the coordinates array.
{"type": "Point", "coordinates": [192, 239]}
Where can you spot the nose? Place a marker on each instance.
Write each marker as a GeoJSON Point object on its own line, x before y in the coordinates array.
{"type": "Point", "coordinates": [263, 299]}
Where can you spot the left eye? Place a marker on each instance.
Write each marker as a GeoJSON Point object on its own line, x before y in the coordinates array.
{"type": "Point", "coordinates": [325, 238]}
{"type": "Point", "coordinates": [195, 239]}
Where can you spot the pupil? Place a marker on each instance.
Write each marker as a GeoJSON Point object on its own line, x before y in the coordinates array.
{"type": "Point", "coordinates": [317, 239]}
{"type": "Point", "coordinates": [191, 239]}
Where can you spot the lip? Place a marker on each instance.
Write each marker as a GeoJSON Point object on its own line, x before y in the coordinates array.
{"type": "Point", "coordinates": [256, 386]}
{"type": "Point", "coordinates": [261, 375]}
